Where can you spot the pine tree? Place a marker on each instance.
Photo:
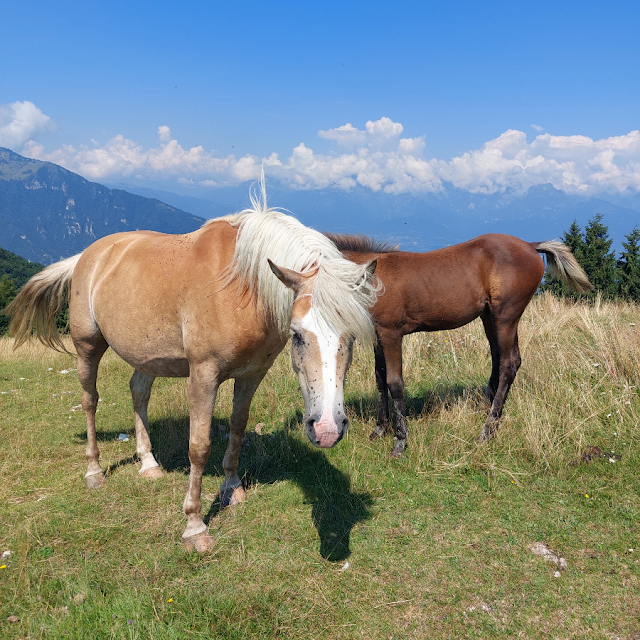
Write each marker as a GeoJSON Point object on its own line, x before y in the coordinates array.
{"type": "Point", "coordinates": [596, 259]}
{"type": "Point", "coordinates": [574, 239]}
{"type": "Point", "coordinates": [629, 267]}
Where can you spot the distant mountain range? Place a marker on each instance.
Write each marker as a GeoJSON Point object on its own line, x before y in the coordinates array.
{"type": "Point", "coordinates": [421, 222]}
{"type": "Point", "coordinates": [48, 213]}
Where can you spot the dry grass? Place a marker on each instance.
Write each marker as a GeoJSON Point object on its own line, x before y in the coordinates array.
{"type": "Point", "coordinates": [577, 386]}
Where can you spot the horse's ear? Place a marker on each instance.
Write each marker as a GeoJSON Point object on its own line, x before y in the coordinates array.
{"type": "Point", "coordinates": [289, 278]}
{"type": "Point", "coordinates": [371, 267]}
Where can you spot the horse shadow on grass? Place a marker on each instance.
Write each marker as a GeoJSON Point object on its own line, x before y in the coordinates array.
{"type": "Point", "coordinates": [267, 459]}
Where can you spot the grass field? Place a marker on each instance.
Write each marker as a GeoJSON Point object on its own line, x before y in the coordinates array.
{"type": "Point", "coordinates": [345, 543]}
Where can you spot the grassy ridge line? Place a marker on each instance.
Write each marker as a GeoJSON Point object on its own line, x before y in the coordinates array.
{"type": "Point", "coordinates": [437, 543]}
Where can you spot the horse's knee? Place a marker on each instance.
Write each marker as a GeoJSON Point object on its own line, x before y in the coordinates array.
{"type": "Point", "coordinates": [396, 388]}
{"type": "Point", "coordinates": [517, 361]}
{"type": "Point", "coordinates": [89, 401]}
{"type": "Point", "coordinates": [199, 454]}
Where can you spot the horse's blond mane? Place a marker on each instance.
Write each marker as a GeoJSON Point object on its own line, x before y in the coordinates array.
{"type": "Point", "coordinates": [342, 292]}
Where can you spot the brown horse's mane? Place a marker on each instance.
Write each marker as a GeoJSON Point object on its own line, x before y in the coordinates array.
{"type": "Point", "coordinates": [360, 243]}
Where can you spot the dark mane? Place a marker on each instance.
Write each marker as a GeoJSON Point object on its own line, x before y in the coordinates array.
{"type": "Point", "coordinates": [360, 243]}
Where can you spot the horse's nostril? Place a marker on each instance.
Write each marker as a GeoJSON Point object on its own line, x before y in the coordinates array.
{"type": "Point", "coordinates": [345, 423]}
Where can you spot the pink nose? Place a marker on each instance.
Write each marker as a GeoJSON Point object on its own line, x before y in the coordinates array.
{"type": "Point", "coordinates": [326, 432]}
{"type": "Point", "coordinates": [327, 439]}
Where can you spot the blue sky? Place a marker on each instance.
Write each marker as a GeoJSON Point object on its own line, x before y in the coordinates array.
{"type": "Point", "coordinates": [253, 79]}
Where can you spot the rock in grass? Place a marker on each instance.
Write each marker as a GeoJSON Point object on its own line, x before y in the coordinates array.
{"type": "Point", "coordinates": [541, 549]}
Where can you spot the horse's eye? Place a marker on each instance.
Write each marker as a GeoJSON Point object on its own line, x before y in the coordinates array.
{"type": "Point", "coordinates": [295, 336]}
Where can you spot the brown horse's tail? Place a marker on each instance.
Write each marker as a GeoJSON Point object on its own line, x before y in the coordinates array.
{"type": "Point", "coordinates": [563, 265]}
{"type": "Point", "coordinates": [38, 303]}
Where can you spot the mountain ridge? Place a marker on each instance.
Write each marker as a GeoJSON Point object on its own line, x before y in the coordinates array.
{"type": "Point", "coordinates": [48, 213]}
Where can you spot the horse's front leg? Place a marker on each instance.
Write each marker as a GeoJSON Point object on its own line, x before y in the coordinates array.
{"type": "Point", "coordinates": [382, 422]}
{"type": "Point", "coordinates": [203, 386]}
{"type": "Point", "coordinates": [232, 492]}
{"type": "Point", "coordinates": [395, 382]}
{"type": "Point", "coordinates": [140, 386]}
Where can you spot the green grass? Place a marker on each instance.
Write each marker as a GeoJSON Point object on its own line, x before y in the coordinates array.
{"type": "Point", "coordinates": [437, 543]}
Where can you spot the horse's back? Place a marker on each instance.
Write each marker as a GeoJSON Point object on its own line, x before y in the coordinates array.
{"type": "Point", "coordinates": [449, 287]}
{"type": "Point", "coordinates": [141, 290]}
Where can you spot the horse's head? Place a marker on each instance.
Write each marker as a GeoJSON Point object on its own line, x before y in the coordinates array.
{"type": "Point", "coordinates": [320, 355]}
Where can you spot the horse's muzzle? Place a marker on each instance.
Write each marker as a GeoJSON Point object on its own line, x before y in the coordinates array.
{"type": "Point", "coordinates": [326, 433]}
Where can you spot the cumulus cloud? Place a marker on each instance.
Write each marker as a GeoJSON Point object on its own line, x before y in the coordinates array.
{"type": "Point", "coordinates": [375, 158]}
{"type": "Point", "coordinates": [346, 135]}
{"type": "Point", "coordinates": [576, 164]}
{"type": "Point", "coordinates": [20, 122]}
{"type": "Point", "coordinates": [374, 133]}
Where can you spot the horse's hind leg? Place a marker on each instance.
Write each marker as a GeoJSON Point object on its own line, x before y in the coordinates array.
{"type": "Point", "coordinates": [492, 337]}
{"type": "Point", "coordinates": [140, 386]}
{"type": "Point", "coordinates": [507, 336]}
{"type": "Point", "coordinates": [231, 492]}
{"type": "Point", "coordinates": [89, 355]}
{"type": "Point", "coordinates": [383, 396]}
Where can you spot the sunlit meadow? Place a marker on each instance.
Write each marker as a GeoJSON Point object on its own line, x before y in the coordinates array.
{"type": "Point", "coordinates": [345, 543]}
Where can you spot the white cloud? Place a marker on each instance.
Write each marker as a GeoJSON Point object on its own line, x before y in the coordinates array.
{"type": "Point", "coordinates": [20, 122]}
{"type": "Point", "coordinates": [385, 127]}
{"type": "Point", "coordinates": [537, 127]}
{"type": "Point", "coordinates": [375, 133]}
{"type": "Point", "coordinates": [375, 158]}
{"type": "Point", "coordinates": [346, 135]}
{"type": "Point", "coordinates": [164, 133]}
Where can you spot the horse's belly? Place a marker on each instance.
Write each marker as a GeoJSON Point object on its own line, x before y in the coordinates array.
{"type": "Point", "coordinates": [160, 366]}
{"type": "Point", "coordinates": [153, 347]}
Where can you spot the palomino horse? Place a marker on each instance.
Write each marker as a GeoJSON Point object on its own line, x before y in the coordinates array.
{"type": "Point", "coordinates": [493, 276]}
{"type": "Point", "coordinates": [207, 305]}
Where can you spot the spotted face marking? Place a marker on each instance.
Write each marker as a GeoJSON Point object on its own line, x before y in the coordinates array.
{"type": "Point", "coordinates": [320, 355]}
{"type": "Point", "coordinates": [321, 358]}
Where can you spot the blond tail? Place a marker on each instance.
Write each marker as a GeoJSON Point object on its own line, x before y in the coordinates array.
{"type": "Point", "coordinates": [563, 265]}
{"type": "Point", "coordinates": [38, 303]}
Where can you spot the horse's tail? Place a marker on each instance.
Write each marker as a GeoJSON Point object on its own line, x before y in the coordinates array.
{"type": "Point", "coordinates": [38, 303]}
{"type": "Point", "coordinates": [563, 265]}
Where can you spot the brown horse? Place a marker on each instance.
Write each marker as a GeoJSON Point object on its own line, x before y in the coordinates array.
{"type": "Point", "coordinates": [493, 276]}
{"type": "Point", "coordinates": [206, 305]}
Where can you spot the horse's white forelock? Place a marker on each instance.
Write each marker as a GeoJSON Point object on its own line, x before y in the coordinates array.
{"type": "Point", "coordinates": [342, 292]}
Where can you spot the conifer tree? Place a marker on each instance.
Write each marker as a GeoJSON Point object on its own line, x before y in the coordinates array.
{"type": "Point", "coordinates": [574, 239]}
{"type": "Point", "coordinates": [596, 259]}
{"type": "Point", "coordinates": [629, 267]}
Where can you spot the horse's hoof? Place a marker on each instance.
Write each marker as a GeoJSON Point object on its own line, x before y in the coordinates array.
{"type": "Point", "coordinates": [200, 543]}
{"type": "Point", "coordinates": [153, 473]}
{"type": "Point", "coordinates": [232, 496]}
{"type": "Point", "coordinates": [375, 435]}
{"type": "Point", "coordinates": [397, 451]}
{"type": "Point", "coordinates": [485, 435]}
{"type": "Point", "coordinates": [95, 481]}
